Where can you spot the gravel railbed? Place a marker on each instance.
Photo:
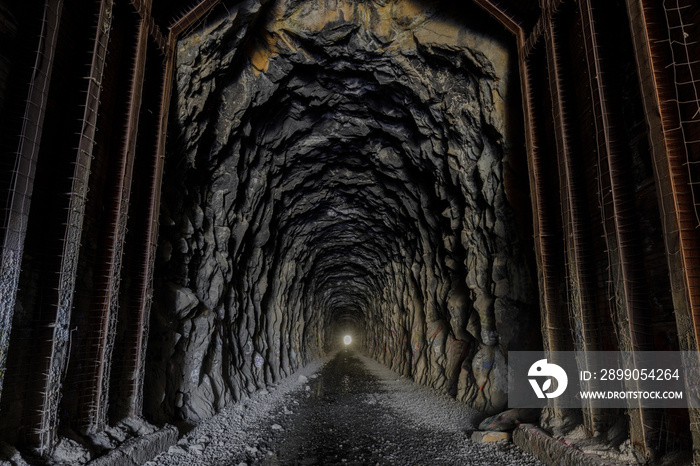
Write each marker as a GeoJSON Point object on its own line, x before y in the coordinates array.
{"type": "Point", "coordinates": [348, 410]}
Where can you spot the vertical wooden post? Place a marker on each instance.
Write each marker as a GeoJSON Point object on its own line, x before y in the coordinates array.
{"type": "Point", "coordinates": [555, 326]}
{"type": "Point", "coordinates": [672, 182]}
{"type": "Point", "coordinates": [554, 318]}
{"type": "Point", "coordinates": [13, 230]}
{"type": "Point", "coordinates": [95, 407]}
{"type": "Point", "coordinates": [58, 360]}
{"type": "Point", "coordinates": [576, 240]}
{"type": "Point", "coordinates": [150, 236]}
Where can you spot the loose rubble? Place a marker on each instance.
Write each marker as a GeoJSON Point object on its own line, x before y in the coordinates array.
{"type": "Point", "coordinates": [358, 412]}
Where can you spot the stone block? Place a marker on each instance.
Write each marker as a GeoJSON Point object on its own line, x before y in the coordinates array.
{"type": "Point", "coordinates": [490, 436]}
{"type": "Point", "coordinates": [552, 451]}
{"type": "Point", "coordinates": [139, 450]}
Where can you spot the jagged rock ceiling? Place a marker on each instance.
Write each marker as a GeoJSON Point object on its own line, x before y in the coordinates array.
{"type": "Point", "coordinates": [342, 166]}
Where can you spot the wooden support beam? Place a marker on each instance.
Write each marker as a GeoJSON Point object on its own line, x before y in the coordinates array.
{"type": "Point", "coordinates": [58, 360]}
{"type": "Point", "coordinates": [578, 248]}
{"type": "Point", "coordinates": [554, 320]}
{"type": "Point", "coordinates": [144, 286]}
{"type": "Point", "coordinates": [542, 26]}
{"type": "Point", "coordinates": [555, 327]}
{"type": "Point", "coordinates": [149, 239]}
{"type": "Point", "coordinates": [632, 315]}
{"type": "Point", "coordinates": [671, 176]}
{"type": "Point", "coordinates": [498, 11]}
{"type": "Point", "coordinates": [144, 9]}
{"type": "Point", "coordinates": [14, 229]}
{"type": "Point", "coordinates": [97, 375]}
{"type": "Point", "coordinates": [189, 18]}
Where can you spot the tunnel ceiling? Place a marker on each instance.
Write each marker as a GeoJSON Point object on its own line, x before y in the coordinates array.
{"type": "Point", "coordinates": [343, 165]}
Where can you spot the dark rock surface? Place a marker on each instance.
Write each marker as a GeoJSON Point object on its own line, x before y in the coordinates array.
{"type": "Point", "coordinates": [339, 167]}
{"type": "Point", "coordinates": [137, 451]}
{"type": "Point", "coordinates": [510, 419]}
{"type": "Point", "coordinates": [352, 411]}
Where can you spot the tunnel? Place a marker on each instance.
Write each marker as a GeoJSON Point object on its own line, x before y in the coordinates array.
{"type": "Point", "coordinates": [201, 200]}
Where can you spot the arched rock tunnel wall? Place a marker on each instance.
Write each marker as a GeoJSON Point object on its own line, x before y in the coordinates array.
{"type": "Point", "coordinates": [325, 174]}
{"type": "Point", "coordinates": [342, 162]}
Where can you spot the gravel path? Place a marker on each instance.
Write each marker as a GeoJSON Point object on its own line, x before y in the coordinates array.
{"type": "Point", "coordinates": [345, 410]}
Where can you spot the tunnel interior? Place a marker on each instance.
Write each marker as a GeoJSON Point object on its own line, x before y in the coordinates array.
{"type": "Point", "coordinates": [200, 200]}
{"type": "Point", "coordinates": [347, 165]}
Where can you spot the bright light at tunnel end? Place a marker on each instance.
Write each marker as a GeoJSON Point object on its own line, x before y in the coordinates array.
{"type": "Point", "coordinates": [347, 339]}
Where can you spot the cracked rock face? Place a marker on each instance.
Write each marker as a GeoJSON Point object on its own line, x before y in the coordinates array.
{"type": "Point", "coordinates": [339, 166]}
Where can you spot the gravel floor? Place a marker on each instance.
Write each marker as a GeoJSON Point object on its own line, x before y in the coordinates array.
{"type": "Point", "coordinates": [346, 410]}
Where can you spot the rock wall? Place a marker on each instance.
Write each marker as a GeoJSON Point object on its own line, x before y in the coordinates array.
{"type": "Point", "coordinates": [340, 164]}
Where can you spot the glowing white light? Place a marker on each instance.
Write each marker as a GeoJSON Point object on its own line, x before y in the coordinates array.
{"type": "Point", "coordinates": [347, 339]}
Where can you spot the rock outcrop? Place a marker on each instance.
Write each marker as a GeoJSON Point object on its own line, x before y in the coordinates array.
{"type": "Point", "coordinates": [340, 165]}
